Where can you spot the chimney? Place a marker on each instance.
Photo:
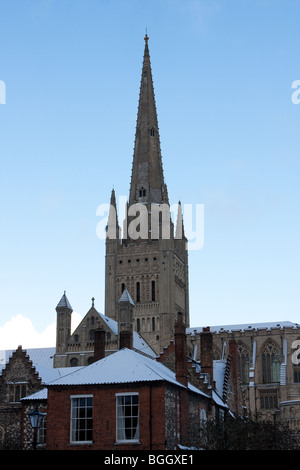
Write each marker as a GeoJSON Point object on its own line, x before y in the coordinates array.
{"type": "Point", "coordinates": [125, 307]}
{"type": "Point", "coordinates": [180, 351]}
{"type": "Point", "coordinates": [99, 344]}
{"type": "Point", "coordinates": [206, 351]}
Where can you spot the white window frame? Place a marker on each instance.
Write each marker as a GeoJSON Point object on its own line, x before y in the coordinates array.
{"type": "Point", "coordinates": [124, 440]}
{"type": "Point", "coordinates": [74, 419]}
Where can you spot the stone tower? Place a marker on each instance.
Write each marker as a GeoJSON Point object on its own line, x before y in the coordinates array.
{"type": "Point", "coordinates": [147, 258]}
{"type": "Point", "coordinates": [63, 324]}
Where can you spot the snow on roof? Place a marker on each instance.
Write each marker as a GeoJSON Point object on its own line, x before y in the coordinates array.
{"type": "Point", "coordinates": [244, 327]}
{"type": "Point", "coordinates": [125, 297]}
{"type": "Point", "coordinates": [64, 302]}
{"type": "Point", "coordinates": [40, 395]}
{"type": "Point", "coordinates": [218, 374]}
{"type": "Point", "coordinates": [218, 400]}
{"type": "Point", "coordinates": [39, 356]}
{"type": "Point", "coordinates": [124, 366]}
{"type": "Point", "coordinates": [138, 341]}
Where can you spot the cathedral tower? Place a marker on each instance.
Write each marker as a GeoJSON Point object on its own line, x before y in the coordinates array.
{"type": "Point", "coordinates": [147, 259]}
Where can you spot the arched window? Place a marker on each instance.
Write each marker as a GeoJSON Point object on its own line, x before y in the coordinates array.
{"type": "Point", "coordinates": [138, 324]}
{"type": "Point", "coordinates": [92, 335]}
{"type": "Point", "coordinates": [123, 287]}
{"type": "Point", "coordinates": [153, 323]}
{"type": "Point", "coordinates": [74, 362]}
{"type": "Point", "coordinates": [142, 192]}
{"type": "Point", "coordinates": [153, 291]}
{"type": "Point", "coordinates": [271, 363]}
{"type": "Point", "coordinates": [138, 292]}
{"type": "Point", "coordinates": [76, 338]}
{"type": "Point", "coordinates": [152, 132]}
{"type": "Point", "coordinates": [243, 363]}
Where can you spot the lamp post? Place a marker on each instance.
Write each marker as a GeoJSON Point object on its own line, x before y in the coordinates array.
{"type": "Point", "coordinates": [36, 418]}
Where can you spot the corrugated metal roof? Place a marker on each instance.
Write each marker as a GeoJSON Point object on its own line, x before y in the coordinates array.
{"type": "Point", "coordinates": [124, 366]}
{"type": "Point", "coordinates": [40, 395]}
{"type": "Point", "coordinates": [39, 356]}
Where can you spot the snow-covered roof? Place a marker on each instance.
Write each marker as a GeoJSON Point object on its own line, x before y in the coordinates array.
{"type": "Point", "coordinates": [138, 341]}
{"type": "Point", "coordinates": [245, 326]}
{"type": "Point", "coordinates": [219, 367]}
{"type": "Point", "coordinates": [40, 395]}
{"type": "Point", "coordinates": [64, 302]}
{"type": "Point", "coordinates": [125, 297]}
{"type": "Point", "coordinates": [124, 366]}
{"type": "Point", "coordinates": [42, 357]}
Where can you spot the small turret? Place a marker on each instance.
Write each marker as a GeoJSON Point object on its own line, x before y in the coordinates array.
{"type": "Point", "coordinates": [63, 325]}
{"type": "Point", "coordinates": [125, 327]}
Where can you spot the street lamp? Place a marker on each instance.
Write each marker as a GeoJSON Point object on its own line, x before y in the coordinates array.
{"type": "Point", "coordinates": [36, 418]}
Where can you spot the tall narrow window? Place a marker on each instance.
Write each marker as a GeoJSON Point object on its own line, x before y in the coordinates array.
{"type": "Point", "coordinates": [152, 132]}
{"type": "Point", "coordinates": [243, 363]}
{"type": "Point", "coordinates": [127, 417]}
{"type": "Point", "coordinates": [153, 291]}
{"type": "Point", "coordinates": [153, 323]}
{"type": "Point", "coordinates": [138, 292]}
{"type": "Point", "coordinates": [271, 363]}
{"type": "Point", "coordinates": [82, 419]}
{"type": "Point", "coordinates": [138, 325]}
{"type": "Point", "coordinates": [123, 287]}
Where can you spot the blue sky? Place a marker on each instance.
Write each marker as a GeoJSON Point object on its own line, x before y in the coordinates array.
{"type": "Point", "coordinates": [229, 133]}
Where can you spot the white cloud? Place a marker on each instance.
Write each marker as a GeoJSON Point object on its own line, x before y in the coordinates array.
{"type": "Point", "coordinates": [19, 330]}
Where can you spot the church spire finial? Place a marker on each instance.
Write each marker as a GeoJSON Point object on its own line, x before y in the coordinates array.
{"type": "Point", "coordinates": [146, 38]}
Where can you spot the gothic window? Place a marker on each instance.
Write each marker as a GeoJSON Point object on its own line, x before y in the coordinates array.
{"type": "Point", "coordinates": [76, 338]}
{"type": "Point", "coordinates": [152, 132]}
{"type": "Point", "coordinates": [153, 291]}
{"type": "Point", "coordinates": [268, 399]}
{"type": "Point", "coordinates": [142, 192]}
{"type": "Point", "coordinates": [296, 362]}
{"type": "Point", "coordinates": [271, 363]}
{"type": "Point", "coordinates": [16, 392]}
{"type": "Point", "coordinates": [153, 323]}
{"type": "Point", "coordinates": [243, 363]}
{"type": "Point", "coordinates": [296, 374]}
{"type": "Point", "coordinates": [138, 325]}
{"type": "Point", "coordinates": [92, 335]}
{"type": "Point", "coordinates": [123, 286]}
{"type": "Point", "coordinates": [74, 362]}
{"type": "Point", "coordinates": [138, 292]}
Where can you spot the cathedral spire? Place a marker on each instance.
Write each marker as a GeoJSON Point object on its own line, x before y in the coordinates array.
{"type": "Point", "coordinates": [147, 179]}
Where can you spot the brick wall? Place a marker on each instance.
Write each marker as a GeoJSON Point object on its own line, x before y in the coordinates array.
{"type": "Point", "coordinates": [151, 409]}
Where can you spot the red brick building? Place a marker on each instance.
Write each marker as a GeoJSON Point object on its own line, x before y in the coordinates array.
{"type": "Point", "coordinates": [123, 401]}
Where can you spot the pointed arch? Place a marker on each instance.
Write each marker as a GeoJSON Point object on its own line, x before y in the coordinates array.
{"type": "Point", "coordinates": [243, 362]}
{"type": "Point", "coordinates": [270, 357]}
